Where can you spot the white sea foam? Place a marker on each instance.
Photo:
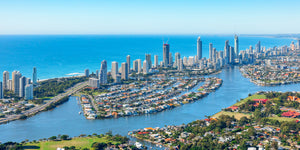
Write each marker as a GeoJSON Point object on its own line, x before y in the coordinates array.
{"type": "Point", "coordinates": [74, 74]}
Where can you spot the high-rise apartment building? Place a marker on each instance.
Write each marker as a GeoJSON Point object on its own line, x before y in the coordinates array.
{"type": "Point", "coordinates": [128, 63]}
{"type": "Point", "coordinates": [5, 80]}
{"type": "Point", "coordinates": [135, 66]}
{"type": "Point", "coordinates": [103, 72]}
{"type": "Point", "coordinates": [170, 59]}
{"type": "Point", "coordinates": [139, 65]}
{"type": "Point", "coordinates": [166, 55]}
{"type": "Point", "coordinates": [22, 83]}
{"type": "Point", "coordinates": [145, 67]}
{"type": "Point", "coordinates": [177, 58]}
{"type": "Point", "coordinates": [236, 46]}
{"type": "Point", "coordinates": [258, 47]}
{"type": "Point", "coordinates": [149, 62]}
{"type": "Point", "coordinates": [16, 75]}
{"type": "Point", "coordinates": [199, 48]}
{"type": "Point", "coordinates": [114, 70]}
{"type": "Point", "coordinates": [155, 61]}
{"type": "Point", "coordinates": [124, 74]}
{"type": "Point", "coordinates": [87, 72]}
{"type": "Point", "coordinates": [94, 83]}
{"type": "Point", "coordinates": [34, 75]}
{"type": "Point", "coordinates": [29, 92]}
{"type": "Point", "coordinates": [210, 52]}
{"type": "Point", "coordinates": [226, 52]}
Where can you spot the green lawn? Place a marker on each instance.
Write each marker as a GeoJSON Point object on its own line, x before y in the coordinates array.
{"type": "Point", "coordinates": [255, 96]}
{"type": "Point", "coordinates": [79, 143]}
{"type": "Point", "coordinates": [235, 114]}
{"type": "Point", "coordinates": [281, 119]}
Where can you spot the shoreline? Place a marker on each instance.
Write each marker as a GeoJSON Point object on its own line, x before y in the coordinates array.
{"type": "Point", "coordinates": [51, 104]}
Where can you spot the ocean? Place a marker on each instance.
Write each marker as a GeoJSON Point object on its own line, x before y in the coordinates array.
{"type": "Point", "coordinates": [61, 55]}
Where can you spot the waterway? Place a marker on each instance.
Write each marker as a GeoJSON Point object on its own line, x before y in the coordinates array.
{"type": "Point", "coordinates": [66, 120]}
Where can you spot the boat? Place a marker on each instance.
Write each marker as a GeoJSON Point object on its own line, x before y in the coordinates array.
{"type": "Point", "coordinates": [79, 112]}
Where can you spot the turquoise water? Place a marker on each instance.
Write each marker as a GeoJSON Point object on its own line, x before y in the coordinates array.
{"type": "Point", "coordinates": [58, 55]}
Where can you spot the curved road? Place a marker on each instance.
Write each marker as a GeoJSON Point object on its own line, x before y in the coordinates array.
{"type": "Point", "coordinates": [39, 108]}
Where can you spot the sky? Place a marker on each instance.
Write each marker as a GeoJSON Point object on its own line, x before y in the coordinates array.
{"type": "Point", "coordinates": [149, 16]}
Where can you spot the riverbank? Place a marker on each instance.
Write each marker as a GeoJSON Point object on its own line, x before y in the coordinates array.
{"type": "Point", "coordinates": [83, 141]}
{"type": "Point", "coordinates": [50, 104]}
{"type": "Point", "coordinates": [260, 119]}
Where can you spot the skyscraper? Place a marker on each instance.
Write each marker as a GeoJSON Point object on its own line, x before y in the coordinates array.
{"type": "Point", "coordinates": [180, 66]}
{"type": "Point", "coordinates": [128, 63]}
{"type": "Point", "coordinates": [214, 54]}
{"type": "Point", "coordinates": [149, 62]}
{"type": "Point", "coordinates": [177, 58]}
{"type": "Point", "coordinates": [87, 72]}
{"type": "Point", "coordinates": [257, 47]}
{"type": "Point", "coordinates": [226, 52]}
{"type": "Point", "coordinates": [135, 66]}
{"type": "Point", "coordinates": [34, 75]}
{"type": "Point", "coordinates": [298, 44]}
{"type": "Point", "coordinates": [199, 48]}
{"type": "Point", "coordinates": [139, 65]}
{"type": "Point", "coordinates": [16, 75]}
{"type": "Point", "coordinates": [5, 80]}
{"type": "Point", "coordinates": [103, 72]}
{"type": "Point", "coordinates": [97, 74]}
{"type": "Point", "coordinates": [170, 59]}
{"type": "Point", "coordinates": [114, 70]}
{"type": "Point", "coordinates": [29, 92]}
{"type": "Point", "coordinates": [191, 61]}
{"type": "Point", "coordinates": [145, 68]}
{"type": "Point", "coordinates": [155, 61]}
{"type": "Point", "coordinates": [22, 86]}
{"type": "Point", "coordinates": [124, 74]}
{"type": "Point", "coordinates": [231, 55]}
{"type": "Point", "coordinates": [211, 52]}
{"type": "Point", "coordinates": [166, 55]}
{"type": "Point", "coordinates": [1, 90]}
{"type": "Point", "coordinates": [9, 84]}
{"type": "Point", "coordinates": [28, 81]}
{"type": "Point", "coordinates": [236, 46]}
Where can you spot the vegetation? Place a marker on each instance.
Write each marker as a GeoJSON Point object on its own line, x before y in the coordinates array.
{"type": "Point", "coordinates": [53, 105]}
{"type": "Point", "coordinates": [53, 87]}
{"type": "Point", "coordinates": [236, 115]}
{"type": "Point", "coordinates": [250, 97]}
{"type": "Point", "coordinates": [11, 146]}
{"type": "Point", "coordinates": [97, 142]}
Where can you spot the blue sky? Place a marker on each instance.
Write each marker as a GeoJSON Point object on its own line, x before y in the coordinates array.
{"type": "Point", "coordinates": [149, 17]}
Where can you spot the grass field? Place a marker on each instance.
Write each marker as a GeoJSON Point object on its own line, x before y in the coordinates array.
{"type": "Point", "coordinates": [235, 114]}
{"type": "Point", "coordinates": [281, 119]}
{"type": "Point", "coordinates": [79, 143]}
{"type": "Point", "coordinates": [255, 96]}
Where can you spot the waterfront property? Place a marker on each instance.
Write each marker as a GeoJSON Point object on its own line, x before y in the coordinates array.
{"type": "Point", "coordinates": [274, 70]}
{"type": "Point", "coordinates": [262, 126]}
{"type": "Point", "coordinates": [147, 97]}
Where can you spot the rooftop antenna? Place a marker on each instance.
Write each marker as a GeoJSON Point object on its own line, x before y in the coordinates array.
{"type": "Point", "coordinates": [167, 40]}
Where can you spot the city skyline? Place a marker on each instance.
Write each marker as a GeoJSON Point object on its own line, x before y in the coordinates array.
{"type": "Point", "coordinates": [119, 17]}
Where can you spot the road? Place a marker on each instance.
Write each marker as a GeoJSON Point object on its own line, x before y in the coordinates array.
{"type": "Point", "coordinates": [39, 108]}
{"type": "Point", "coordinates": [93, 103]}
